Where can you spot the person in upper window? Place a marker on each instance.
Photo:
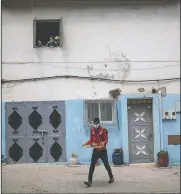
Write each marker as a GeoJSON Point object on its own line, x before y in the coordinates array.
{"type": "Point", "coordinates": [39, 43]}
{"type": "Point", "coordinates": [57, 40]}
{"type": "Point", "coordinates": [51, 43]}
{"type": "Point", "coordinates": [98, 137]}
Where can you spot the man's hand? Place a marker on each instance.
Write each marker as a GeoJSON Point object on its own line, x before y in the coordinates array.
{"type": "Point", "coordinates": [93, 144]}
{"type": "Point", "coordinates": [84, 145]}
{"type": "Point", "coordinates": [102, 144]}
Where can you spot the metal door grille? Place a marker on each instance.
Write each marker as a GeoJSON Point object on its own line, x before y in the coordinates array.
{"type": "Point", "coordinates": [140, 126]}
{"type": "Point", "coordinates": [35, 132]}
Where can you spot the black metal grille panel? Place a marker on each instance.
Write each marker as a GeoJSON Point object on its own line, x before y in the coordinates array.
{"type": "Point", "coordinates": [56, 151]}
{"type": "Point", "coordinates": [15, 152]}
{"type": "Point", "coordinates": [36, 152]}
{"type": "Point", "coordinates": [55, 119]}
{"type": "Point", "coordinates": [15, 120]}
{"type": "Point", "coordinates": [35, 119]}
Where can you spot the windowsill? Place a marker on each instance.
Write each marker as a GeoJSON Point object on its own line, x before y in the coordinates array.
{"type": "Point", "coordinates": [45, 47]}
{"type": "Point", "coordinates": [103, 124]}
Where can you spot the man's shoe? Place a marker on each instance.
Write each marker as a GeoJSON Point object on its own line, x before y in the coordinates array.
{"type": "Point", "coordinates": [111, 181]}
{"type": "Point", "coordinates": [88, 184]}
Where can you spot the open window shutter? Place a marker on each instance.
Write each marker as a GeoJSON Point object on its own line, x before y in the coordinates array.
{"type": "Point", "coordinates": [34, 33]}
{"type": "Point", "coordinates": [61, 32]}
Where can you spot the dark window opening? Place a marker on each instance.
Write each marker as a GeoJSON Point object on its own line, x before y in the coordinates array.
{"type": "Point", "coordinates": [47, 33]}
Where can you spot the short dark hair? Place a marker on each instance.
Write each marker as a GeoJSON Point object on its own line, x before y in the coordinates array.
{"type": "Point", "coordinates": [96, 120]}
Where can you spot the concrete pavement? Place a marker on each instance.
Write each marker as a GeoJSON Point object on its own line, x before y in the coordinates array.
{"type": "Point", "coordinates": [39, 178]}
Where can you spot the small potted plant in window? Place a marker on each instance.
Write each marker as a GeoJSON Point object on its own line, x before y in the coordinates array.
{"type": "Point", "coordinates": [163, 160]}
{"type": "Point", "coordinates": [117, 157]}
{"type": "Point", "coordinates": [73, 159]}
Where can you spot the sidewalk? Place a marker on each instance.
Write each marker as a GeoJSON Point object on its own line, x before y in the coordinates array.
{"type": "Point", "coordinates": [36, 178]}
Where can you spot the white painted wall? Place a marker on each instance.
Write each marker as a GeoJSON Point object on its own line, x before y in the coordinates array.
{"type": "Point", "coordinates": [142, 32]}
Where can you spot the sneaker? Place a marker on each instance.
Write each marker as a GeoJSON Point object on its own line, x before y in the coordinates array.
{"type": "Point", "coordinates": [88, 184]}
{"type": "Point", "coordinates": [111, 181]}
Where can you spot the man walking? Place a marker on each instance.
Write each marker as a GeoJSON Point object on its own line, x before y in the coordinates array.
{"type": "Point", "coordinates": [98, 137]}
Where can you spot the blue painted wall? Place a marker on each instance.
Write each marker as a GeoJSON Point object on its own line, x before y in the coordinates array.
{"type": "Point", "coordinates": [77, 133]}
{"type": "Point", "coordinates": [171, 127]}
{"type": "Point", "coordinates": [3, 145]}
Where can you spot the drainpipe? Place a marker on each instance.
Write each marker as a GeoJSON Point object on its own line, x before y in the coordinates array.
{"type": "Point", "coordinates": [160, 102]}
{"type": "Point", "coordinates": [160, 117]}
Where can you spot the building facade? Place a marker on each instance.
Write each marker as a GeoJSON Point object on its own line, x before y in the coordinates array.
{"type": "Point", "coordinates": [51, 94]}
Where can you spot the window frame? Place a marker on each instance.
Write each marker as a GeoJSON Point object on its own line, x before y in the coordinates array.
{"type": "Point", "coordinates": [35, 21]}
{"type": "Point", "coordinates": [108, 123]}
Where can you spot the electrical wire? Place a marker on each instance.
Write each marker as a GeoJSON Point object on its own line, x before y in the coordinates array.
{"type": "Point", "coordinates": [113, 69]}
{"type": "Point", "coordinates": [111, 61]}
{"type": "Point", "coordinates": [166, 66]}
{"type": "Point", "coordinates": [87, 78]}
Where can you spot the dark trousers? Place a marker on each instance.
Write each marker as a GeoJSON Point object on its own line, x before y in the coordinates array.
{"type": "Point", "coordinates": [103, 156]}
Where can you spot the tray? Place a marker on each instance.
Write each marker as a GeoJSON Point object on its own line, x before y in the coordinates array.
{"type": "Point", "coordinates": [89, 146]}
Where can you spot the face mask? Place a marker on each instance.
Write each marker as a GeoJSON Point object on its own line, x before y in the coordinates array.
{"type": "Point", "coordinates": [96, 126]}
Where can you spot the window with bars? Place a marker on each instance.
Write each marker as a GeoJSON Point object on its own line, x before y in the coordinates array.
{"type": "Point", "coordinates": [104, 110]}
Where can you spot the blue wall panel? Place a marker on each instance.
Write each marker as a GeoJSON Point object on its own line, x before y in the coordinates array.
{"type": "Point", "coordinates": [3, 144]}
{"type": "Point", "coordinates": [171, 127]}
{"type": "Point", "coordinates": [77, 133]}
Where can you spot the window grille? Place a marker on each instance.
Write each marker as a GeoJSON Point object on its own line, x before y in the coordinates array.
{"type": "Point", "coordinates": [103, 109]}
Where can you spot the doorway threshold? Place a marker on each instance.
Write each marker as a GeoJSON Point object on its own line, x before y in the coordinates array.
{"type": "Point", "coordinates": [152, 164]}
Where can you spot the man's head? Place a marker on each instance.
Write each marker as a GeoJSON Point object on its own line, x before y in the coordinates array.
{"type": "Point", "coordinates": [96, 122]}
{"type": "Point", "coordinates": [51, 39]}
{"type": "Point", "coordinates": [39, 43]}
{"type": "Point", "coordinates": [57, 38]}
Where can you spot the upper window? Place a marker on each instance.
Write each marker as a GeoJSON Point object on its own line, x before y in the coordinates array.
{"type": "Point", "coordinates": [47, 33]}
{"type": "Point", "coordinates": [104, 110]}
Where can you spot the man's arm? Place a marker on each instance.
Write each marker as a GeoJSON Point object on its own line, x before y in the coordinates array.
{"type": "Point", "coordinates": [105, 135]}
{"type": "Point", "coordinates": [48, 43]}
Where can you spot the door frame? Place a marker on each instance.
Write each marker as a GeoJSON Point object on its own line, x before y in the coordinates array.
{"type": "Point", "coordinates": [130, 138]}
{"type": "Point", "coordinates": [156, 122]}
